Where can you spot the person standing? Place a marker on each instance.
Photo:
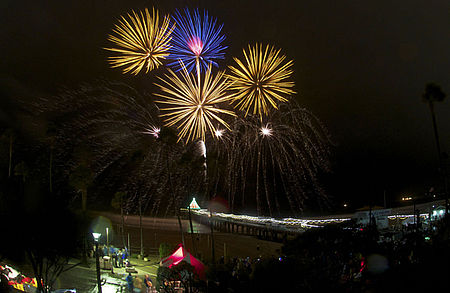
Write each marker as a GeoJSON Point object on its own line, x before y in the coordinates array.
{"type": "Point", "coordinates": [138, 284]}
{"type": "Point", "coordinates": [120, 256]}
{"type": "Point", "coordinates": [111, 249]}
{"type": "Point", "coordinates": [114, 256]}
{"type": "Point", "coordinates": [124, 257]}
{"type": "Point", "coordinates": [148, 283]}
{"type": "Point", "coordinates": [130, 285]}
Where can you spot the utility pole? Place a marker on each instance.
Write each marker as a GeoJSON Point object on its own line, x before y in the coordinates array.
{"type": "Point", "coordinates": [192, 230]}
{"type": "Point", "coordinates": [140, 228]}
{"type": "Point", "coordinates": [97, 264]}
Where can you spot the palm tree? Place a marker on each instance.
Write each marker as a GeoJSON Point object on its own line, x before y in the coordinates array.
{"type": "Point", "coordinates": [117, 203]}
{"type": "Point", "coordinates": [51, 139]}
{"type": "Point", "coordinates": [81, 178]}
{"type": "Point", "coordinates": [9, 133]}
{"type": "Point", "coordinates": [22, 169]}
{"type": "Point", "coordinates": [433, 93]}
{"type": "Point", "coordinates": [168, 139]}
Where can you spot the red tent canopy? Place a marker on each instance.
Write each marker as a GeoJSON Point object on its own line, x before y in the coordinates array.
{"type": "Point", "coordinates": [181, 254]}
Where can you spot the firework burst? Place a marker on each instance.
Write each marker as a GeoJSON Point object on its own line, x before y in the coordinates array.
{"type": "Point", "coordinates": [262, 161]}
{"type": "Point", "coordinates": [192, 104]}
{"type": "Point", "coordinates": [129, 150]}
{"type": "Point", "coordinates": [196, 41]}
{"type": "Point", "coordinates": [261, 81]}
{"type": "Point", "coordinates": [142, 42]}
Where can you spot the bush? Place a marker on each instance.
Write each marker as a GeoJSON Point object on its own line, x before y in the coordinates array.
{"type": "Point", "coordinates": [165, 249]}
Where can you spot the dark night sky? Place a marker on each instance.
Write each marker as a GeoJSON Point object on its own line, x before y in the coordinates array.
{"type": "Point", "coordinates": [360, 66]}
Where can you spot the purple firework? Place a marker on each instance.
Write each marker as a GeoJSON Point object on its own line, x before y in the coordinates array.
{"type": "Point", "coordinates": [196, 39]}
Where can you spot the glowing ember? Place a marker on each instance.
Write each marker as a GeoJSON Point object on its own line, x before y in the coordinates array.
{"type": "Point", "coordinates": [266, 131]}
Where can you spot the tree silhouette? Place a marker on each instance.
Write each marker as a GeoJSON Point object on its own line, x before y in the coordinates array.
{"type": "Point", "coordinates": [51, 140]}
{"type": "Point", "coordinates": [32, 213]}
{"type": "Point", "coordinates": [433, 93]}
{"type": "Point", "coordinates": [82, 177]}
{"type": "Point", "coordinates": [118, 203]}
{"type": "Point", "coordinates": [22, 169]}
{"type": "Point", "coordinates": [10, 136]}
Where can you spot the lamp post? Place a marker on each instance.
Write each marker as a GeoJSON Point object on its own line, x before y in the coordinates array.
{"type": "Point", "coordinates": [97, 262]}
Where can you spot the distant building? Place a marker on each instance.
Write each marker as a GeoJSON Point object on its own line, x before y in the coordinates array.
{"type": "Point", "coordinates": [379, 216]}
{"type": "Point", "coordinates": [438, 213]}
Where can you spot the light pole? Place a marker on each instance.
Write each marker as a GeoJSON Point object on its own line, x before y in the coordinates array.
{"type": "Point", "coordinates": [97, 262]}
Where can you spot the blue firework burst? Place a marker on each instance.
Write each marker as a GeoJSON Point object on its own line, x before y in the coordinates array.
{"type": "Point", "coordinates": [196, 38]}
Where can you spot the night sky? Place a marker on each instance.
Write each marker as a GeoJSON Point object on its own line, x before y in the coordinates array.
{"type": "Point", "coordinates": [360, 66]}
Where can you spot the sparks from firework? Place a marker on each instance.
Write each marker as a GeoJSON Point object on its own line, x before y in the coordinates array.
{"type": "Point", "coordinates": [280, 157]}
{"type": "Point", "coordinates": [219, 132]}
{"type": "Point", "coordinates": [196, 39]}
{"type": "Point", "coordinates": [119, 126]}
{"type": "Point", "coordinates": [192, 104]}
{"type": "Point", "coordinates": [261, 81]}
{"type": "Point", "coordinates": [202, 148]}
{"type": "Point", "coordinates": [266, 131]}
{"type": "Point", "coordinates": [153, 130]}
{"type": "Point", "coordinates": [142, 42]}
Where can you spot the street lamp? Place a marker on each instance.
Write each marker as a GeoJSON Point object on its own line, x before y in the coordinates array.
{"type": "Point", "coordinates": [97, 262]}
{"type": "Point", "coordinates": [107, 237]}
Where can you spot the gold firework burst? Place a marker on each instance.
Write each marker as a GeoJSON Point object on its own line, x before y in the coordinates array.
{"type": "Point", "coordinates": [192, 104]}
{"type": "Point", "coordinates": [141, 41]}
{"type": "Point", "coordinates": [261, 81]}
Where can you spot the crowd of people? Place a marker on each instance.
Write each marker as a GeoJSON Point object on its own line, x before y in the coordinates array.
{"type": "Point", "coordinates": [344, 259]}
{"type": "Point", "coordinates": [142, 285]}
{"type": "Point", "coordinates": [119, 259]}
{"type": "Point", "coordinates": [335, 258]}
{"type": "Point", "coordinates": [119, 256]}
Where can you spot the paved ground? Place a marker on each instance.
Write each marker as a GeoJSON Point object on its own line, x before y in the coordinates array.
{"type": "Point", "coordinates": [155, 232]}
{"type": "Point", "coordinates": [84, 279]}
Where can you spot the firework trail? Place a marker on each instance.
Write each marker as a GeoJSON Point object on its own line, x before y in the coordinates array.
{"type": "Point", "coordinates": [280, 157]}
{"type": "Point", "coordinates": [131, 152]}
{"type": "Point", "coordinates": [253, 162]}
